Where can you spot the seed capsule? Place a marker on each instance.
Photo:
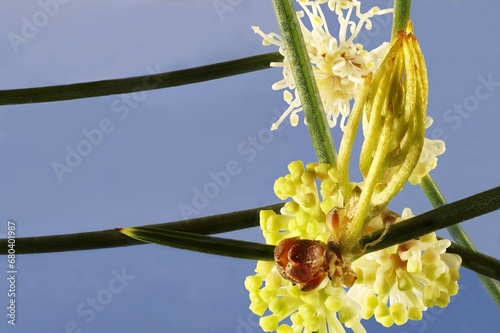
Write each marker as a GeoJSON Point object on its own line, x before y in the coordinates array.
{"type": "Point", "coordinates": [302, 261]}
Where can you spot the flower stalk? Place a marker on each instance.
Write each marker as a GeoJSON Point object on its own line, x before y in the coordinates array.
{"type": "Point", "coordinates": [402, 10]}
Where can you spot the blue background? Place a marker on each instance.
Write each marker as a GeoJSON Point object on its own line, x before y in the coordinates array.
{"type": "Point", "coordinates": [157, 156]}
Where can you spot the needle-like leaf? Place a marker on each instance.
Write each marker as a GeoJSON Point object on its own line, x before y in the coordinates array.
{"type": "Point", "coordinates": [438, 218]}
{"type": "Point", "coordinates": [110, 238]}
{"type": "Point", "coordinates": [201, 243]}
{"type": "Point", "coordinates": [138, 83]}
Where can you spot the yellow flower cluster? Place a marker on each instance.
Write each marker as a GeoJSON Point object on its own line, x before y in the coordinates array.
{"type": "Point", "coordinates": [305, 215]}
{"type": "Point", "coordinates": [326, 306]}
{"type": "Point", "coordinates": [394, 284]}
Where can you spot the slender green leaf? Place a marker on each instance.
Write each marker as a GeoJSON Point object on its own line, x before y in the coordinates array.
{"type": "Point", "coordinates": [110, 238]}
{"type": "Point", "coordinates": [438, 218]}
{"type": "Point", "coordinates": [201, 243]}
{"type": "Point", "coordinates": [476, 261]}
{"type": "Point", "coordinates": [139, 83]}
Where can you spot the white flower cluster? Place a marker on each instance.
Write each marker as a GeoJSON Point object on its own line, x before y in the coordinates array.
{"type": "Point", "coordinates": [339, 64]}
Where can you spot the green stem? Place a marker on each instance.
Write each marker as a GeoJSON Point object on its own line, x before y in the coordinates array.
{"type": "Point", "coordinates": [437, 199]}
{"type": "Point", "coordinates": [139, 83]}
{"type": "Point", "coordinates": [297, 56]}
{"type": "Point", "coordinates": [401, 15]}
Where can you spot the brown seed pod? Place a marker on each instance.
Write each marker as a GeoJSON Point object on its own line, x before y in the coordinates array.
{"type": "Point", "coordinates": [302, 261]}
{"type": "Point", "coordinates": [307, 262]}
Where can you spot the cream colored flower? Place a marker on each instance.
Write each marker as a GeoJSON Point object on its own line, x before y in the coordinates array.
{"type": "Point", "coordinates": [397, 283]}
{"type": "Point", "coordinates": [428, 158]}
{"type": "Point", "coordinates": [339, 64]}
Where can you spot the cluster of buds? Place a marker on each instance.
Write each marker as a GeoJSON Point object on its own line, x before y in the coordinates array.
{"type": "Point", "coordinates": [392, 108]}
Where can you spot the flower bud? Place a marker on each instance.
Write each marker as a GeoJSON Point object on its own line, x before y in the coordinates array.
{"type": "Point", "coordinates": [394, 118]}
